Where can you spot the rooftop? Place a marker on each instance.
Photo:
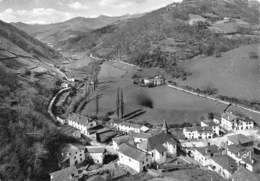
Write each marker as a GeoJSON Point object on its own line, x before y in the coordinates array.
{"type": "Point", "coordinates": [123, 139]}
{"type": "Point", "coordinates": [132, 152]}
{"type": "Point", "coordinates": [157, 140]}
{"type": "Point", "coordinates": [66, 174]}
{"type": "Point", "coordinates": [239, 139]}
{"type": "Point", "coordinates": [81, 119]}
{"type": "Point", "coordinates": [95, 150]}
{"type": "Point", "coordinates": [226, 162]}
{"type": "Point", "coordinates": [232, 116]}
{"type": "Point", "coordinates": [207, 150]}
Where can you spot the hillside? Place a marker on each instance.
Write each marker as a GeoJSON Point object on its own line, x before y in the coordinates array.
{"type": "Point", "coordinates": [53, 33]}
{"type": "Point", "coordinates": [164, 37]}
{"type": "Point", "coordinates": [235, 74]}
{"type": "Point", "coordinates": [27, 82]}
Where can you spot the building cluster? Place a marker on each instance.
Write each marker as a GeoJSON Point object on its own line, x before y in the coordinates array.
{"type": "Point", "coordinates": [140, 148]}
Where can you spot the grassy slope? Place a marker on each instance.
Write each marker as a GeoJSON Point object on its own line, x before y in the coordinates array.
{"type": "Point", "coordinates": [234, 74]}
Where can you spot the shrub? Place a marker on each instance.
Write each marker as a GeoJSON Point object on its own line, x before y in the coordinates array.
{"type": "Point", "coordinates": [253, 55]}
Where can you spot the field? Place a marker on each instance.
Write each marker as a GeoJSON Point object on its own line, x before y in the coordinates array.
{"type": "Point", "coordinates": [234, 74]}
{"type": "Point", "coordinates": [161, 103]}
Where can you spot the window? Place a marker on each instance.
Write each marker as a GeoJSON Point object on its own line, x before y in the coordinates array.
{"type": "Point", "coordinates": [129, 160]}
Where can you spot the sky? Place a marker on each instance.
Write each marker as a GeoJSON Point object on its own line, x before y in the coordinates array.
{"type": "Point", "coordinates": [53, 11]}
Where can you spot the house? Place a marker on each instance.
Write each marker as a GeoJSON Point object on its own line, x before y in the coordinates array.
{"type": "Point", "coordinates": [66, 174]}
{"type": "Point", "coordinates": [242, 155]}
{"type": "Point", "coordinates": [140, 137]}
{"type": "Point", "coordinates": [195, 19]}
{"type": "Point", "coordinates": [159, 145]}
{"type": "Point", "coordinates": [128, 127]}
{"type": "Point", "coordinates": [213, 124]}
{"type": "Point", "coordinates": [154, 81]}
{"type": "Point", "coordinates": [243, 174]}
{"type": "Point", "coordinates": [235, 121]}
{"type": "Point", "coordinates": [239, 139]}
{"type": "Point", "coordinates": [97, 154]}
{"type": "Point", "coordinates": [72, 154]}
{"type": "Point", "coordinates": [197, 132]}
{"type": "Point", "coordinates": [81, 122]}
{"type": "Point", "coordinates": [223, 165]}
{"type": "Point", "coordinates": [133, 158]}
{"type": "Point", "coordinates": [117, 141]}
{"type": "Point", "coordinates": [203, 155]}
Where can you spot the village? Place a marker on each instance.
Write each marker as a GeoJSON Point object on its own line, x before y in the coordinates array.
{"type": "Point", "coordinates": [226, 143]}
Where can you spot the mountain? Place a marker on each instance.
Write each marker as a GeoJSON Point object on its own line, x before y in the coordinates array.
{"type": "Point", "coordinates": [28, 75]}
{"type": "Point", "coordinates": [164, 37]}
{"type": "Point", "coordinates": [52, 33]}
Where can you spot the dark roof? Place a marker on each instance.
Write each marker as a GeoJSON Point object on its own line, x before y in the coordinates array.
{"type": "Point", "coordinates": [160, 148]}
{"type": "Point", "coordinates": [132, 152]}
{"type": "Point", "coordinates": [142, 135]}
{"type": "Point", "coordinates": [96, 150]}
{"type": "Point", "coordinates": [123, 139]}
{"type": "Point", "coordinates": [159, 139]}
{"type": "Point", "coordinates": [243, 174]}
{"type": "Point", "coordinates": [207, 150]}
{"type": "Point", "coordinates": [64, 174]}
{"type": "Point", "coordinates": [80, 119]}
{"type": "Point", "coordinates": [239, 139]}
{"type": "Point", "coordinates": [226, 162]}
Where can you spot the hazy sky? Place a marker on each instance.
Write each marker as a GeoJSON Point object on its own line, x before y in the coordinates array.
{"type": "Point", "coordinates": [51, 11]}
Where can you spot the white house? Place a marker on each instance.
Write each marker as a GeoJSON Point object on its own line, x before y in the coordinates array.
{"type": "Point", "coordinates": [130, 127]}
{"type": "Point", "coordinates": [81, 122]}
{"type": "Point", "coordinates": [72, 155]}
{"type": "Point", "coordinates": [224, 165]}
{"type": "Point", "coordinates": [133, 158]}
{"type": "Point", "coordinates": [203, 155]}
{"type": "Point", "coordinates": [97, 154]}
{"type": "Point", "coordinates": [213, 124]}
{"type": "Point", "coordinates": [236, 121]}
{"type": "Point", "coordinates": [198, 132]}
{"type": "Point", "coordinates": [242, 155]}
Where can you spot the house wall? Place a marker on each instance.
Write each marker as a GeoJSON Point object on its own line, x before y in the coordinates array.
{"type": "Point", "coordinates": [136, 165]}
{"type": "Point", "coordinates": [226, 124]}
{"type": "Point", "coordinates": [97, 157]}
{"type": "Point", "coordinates": [221, 171]}
{"type": "Point", "coordinates": [172, 149]}
{"type": "Point", "coordinates": [200, 158]}
{"type": "Point", "coordinates": [158, 157]}
{"type": "Point", "coordinates": [77, 158]}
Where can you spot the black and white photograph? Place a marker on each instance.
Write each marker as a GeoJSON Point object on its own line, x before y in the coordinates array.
{"type": "Point", "coordinates": [129, 90]}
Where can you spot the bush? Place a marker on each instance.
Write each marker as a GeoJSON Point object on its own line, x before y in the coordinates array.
{"type": "Point", "coordinates": [253, 55]}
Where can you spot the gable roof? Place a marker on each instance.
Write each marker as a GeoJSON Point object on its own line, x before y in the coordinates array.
{"type": "Point", "coordinates": [239, 139]}
{"type": "Point", "coordinates": [207, 150]}
{"type": "Point", "coordinates": [96, 150]}
{"type": "Point", "coordinates": [66, 174]}
{"type": "Point", "coordinates": [226, 162]}
{"type": "Point", "coordinates": [159, 139]}
{"type": "Point", "coordinates": [123, 139]}
{"type": "Point", "coordinates": [132, 152]}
